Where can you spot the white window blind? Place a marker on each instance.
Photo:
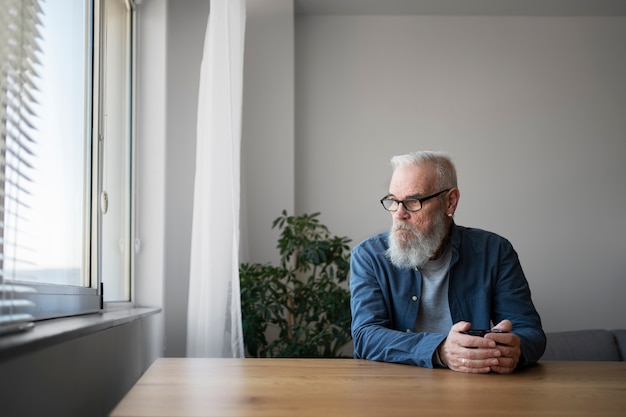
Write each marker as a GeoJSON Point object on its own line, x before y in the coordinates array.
{"type": "Point", "coordinates": [19, 25]}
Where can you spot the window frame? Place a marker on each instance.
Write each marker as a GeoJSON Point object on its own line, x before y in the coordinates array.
{"type": "Point", "coordinates": [53, 300]}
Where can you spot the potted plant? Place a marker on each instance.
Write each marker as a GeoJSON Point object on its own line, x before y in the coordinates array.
{"type": "Point", "coordinates": [302, 301]}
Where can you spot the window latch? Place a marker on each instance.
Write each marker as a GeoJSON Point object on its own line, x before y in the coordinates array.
{"type": "Point", "coordinates": [104, 202]}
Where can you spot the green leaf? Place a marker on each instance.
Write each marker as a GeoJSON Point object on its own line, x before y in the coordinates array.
{"type": "Point", "coordinates": [301, 302]}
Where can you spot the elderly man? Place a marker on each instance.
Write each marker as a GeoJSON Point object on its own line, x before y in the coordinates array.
{"type": "Point", "coordinates": [418, 290]}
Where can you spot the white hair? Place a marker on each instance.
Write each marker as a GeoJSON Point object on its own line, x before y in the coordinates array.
{"type": "Point", "coordinates": [446, 172]}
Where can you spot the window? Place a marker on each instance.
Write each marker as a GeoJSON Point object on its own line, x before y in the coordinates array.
{"type": "Point", "coordinates": [117, 165]}
{"type": "Point", "coordinates": [66, 157]}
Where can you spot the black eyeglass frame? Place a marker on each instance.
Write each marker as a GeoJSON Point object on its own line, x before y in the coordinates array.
{"type": "Point", "coordinates": [421, 200]}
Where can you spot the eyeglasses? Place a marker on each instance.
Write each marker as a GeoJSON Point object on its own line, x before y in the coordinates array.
{"type": "Point", "coordinates": [410, 204]}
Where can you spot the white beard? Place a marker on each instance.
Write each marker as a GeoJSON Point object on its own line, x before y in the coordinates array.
{"type": "Point", "coordinates": [414, 251]}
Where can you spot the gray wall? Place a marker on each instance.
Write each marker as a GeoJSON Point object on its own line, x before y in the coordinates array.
{"type": "Point", "coordinates": [531, 109]}
{"type": "Point", "coordinates": [185, 39]}
{"type": "Point", "coordinates": [85, 376]}
{"type": "Point", "coordinates": [267, 160]}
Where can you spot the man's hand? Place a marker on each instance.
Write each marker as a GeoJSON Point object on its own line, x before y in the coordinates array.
{"type": "Point", "coordinates": [473, 354]}
{"type": "Point", "coordinates": [509, 346]}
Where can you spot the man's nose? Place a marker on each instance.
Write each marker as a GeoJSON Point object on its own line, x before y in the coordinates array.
{"type": "Point", "coordinates": [402, 212]}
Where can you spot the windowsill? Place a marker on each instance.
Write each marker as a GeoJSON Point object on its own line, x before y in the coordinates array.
{"type": "Point", "coordinates": [54, 331]}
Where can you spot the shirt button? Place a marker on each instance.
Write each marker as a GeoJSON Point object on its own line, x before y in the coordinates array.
{"type": "Point", "coordinates": [408, 330]}
{"type": "Point", "coordinates": [414, 298]}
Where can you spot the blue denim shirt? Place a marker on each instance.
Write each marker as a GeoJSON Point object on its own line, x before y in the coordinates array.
{"type": "Point", "coordinates": [486, 285]}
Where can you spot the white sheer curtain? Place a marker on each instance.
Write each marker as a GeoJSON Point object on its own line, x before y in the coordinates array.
{"type": "Point", "coordinates": [214, 313]}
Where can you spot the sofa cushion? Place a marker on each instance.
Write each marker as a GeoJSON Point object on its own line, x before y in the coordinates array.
{"type": "Point", "coordinates": [581, 345]}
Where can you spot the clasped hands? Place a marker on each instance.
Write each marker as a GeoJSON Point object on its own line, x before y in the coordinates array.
{"type": "Point", "coordinates": [495, 352]}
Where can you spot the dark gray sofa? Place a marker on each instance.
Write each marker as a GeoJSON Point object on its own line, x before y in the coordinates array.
{"type": "Point", "coordinates": [586, 345]}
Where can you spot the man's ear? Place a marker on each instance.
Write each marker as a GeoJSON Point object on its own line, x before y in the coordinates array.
{"type": "Point", "coordinates": [453, 200]}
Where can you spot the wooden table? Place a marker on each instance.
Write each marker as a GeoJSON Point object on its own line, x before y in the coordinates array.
{"type": "Point", "coordinates": [349, 387]}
